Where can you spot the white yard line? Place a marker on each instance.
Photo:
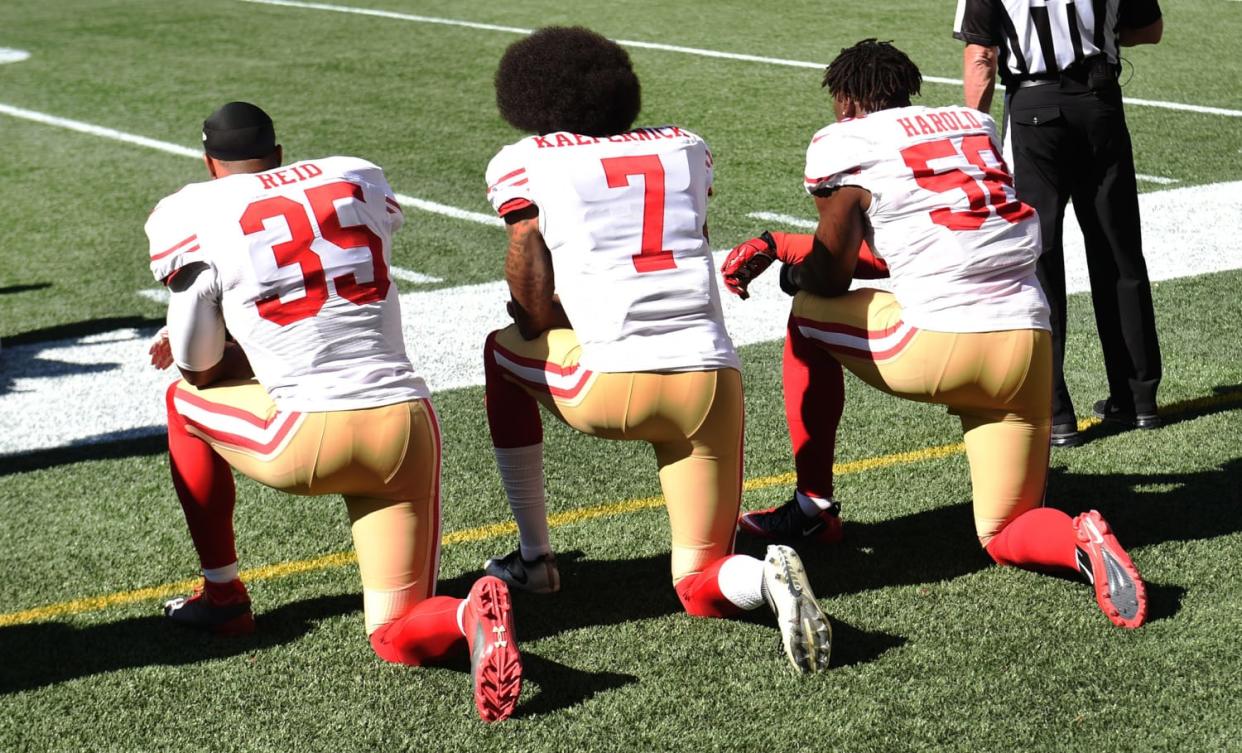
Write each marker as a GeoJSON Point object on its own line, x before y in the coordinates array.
{"type": "Point", "coordinates": [409, 275]}
{"type": "Point", "coordinates": [784, 219]}
{"type": "Point", "coordinates": [1157, 179]}
{"type": "Point", "coordinates": [698, 51]}
{"type": "Point", "coordinates": [10, 55]}
{"type": "Point", "coordinates": [445, 329]}
{"type": "Point", "coordinates": [181, 151]}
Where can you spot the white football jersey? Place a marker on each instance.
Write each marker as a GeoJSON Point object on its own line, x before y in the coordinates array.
{"type": "Point", "coordinates": [624, 217]}
{"type": "Point", "coordinates": [299, 256]}
{"type": "Point", "coordinates": [961, 249]}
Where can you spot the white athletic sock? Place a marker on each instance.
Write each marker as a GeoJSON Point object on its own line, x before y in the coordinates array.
{"type": "Point", "coordinates": [811, 506]}
{"type": "Point", "coordinates": [226, 574]}
{"type": "Point", "coordinates": [521, 473]}
{"type": "Point", "coordinates": [741, 581]}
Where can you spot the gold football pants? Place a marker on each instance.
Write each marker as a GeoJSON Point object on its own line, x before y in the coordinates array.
{"type": "Point", "coordinates": [998, 383]}
{"type": "Point", "coordinates": [692, 419]}
{"type": "Point", "coordinates": [385, 462]}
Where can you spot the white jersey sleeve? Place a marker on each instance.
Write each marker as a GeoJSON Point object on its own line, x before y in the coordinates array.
{"type": "Point", "coordinates": [196, 329]}
{"type": "Point", "coordinates": [508, 187]}
{"type": "Point", "coordinates": [299, 257]}
{"type": "Point", "coordinates": [624, 218]}
{"type": "Point", "coordinates": [960, 247]}
{"type": "Point", "coordinates": [172, 234]}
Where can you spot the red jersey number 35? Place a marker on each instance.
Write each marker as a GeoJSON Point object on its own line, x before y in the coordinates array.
{"type": "Point", "coordinates": [297, 250]}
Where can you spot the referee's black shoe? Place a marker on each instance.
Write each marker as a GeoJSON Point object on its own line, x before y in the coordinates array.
{"type": "Point", "coordinates": [1066, 435]}
{"type": "Point", "coordinates": [1108, 411]}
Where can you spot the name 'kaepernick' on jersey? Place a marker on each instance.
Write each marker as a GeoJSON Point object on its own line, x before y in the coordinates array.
{"type": "Point", "coordinates": [960, 247]}
{"type": "Point", "coordinates": [300, 258]}
{"type": "Point", "coordinates": [624, 217]}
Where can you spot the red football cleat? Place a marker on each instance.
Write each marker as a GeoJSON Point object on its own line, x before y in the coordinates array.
{"type": "Point", "coordinates": [495, 662]}
{"type": "Point", "coordinates": [789, 523]}
{"type": "Point", "coordinates": [1119, 588]}
{"type": "Point", "coordinates": [220, 608]}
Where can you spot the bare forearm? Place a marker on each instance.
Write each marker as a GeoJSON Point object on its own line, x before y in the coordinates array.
{"type": "Point", "coordinates": [979, 76]}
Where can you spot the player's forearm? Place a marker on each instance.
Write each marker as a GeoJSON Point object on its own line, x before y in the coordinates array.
{"type": "Point", "coordinates": [1149, 34]}
{"type": "Point", "coordinates": [233, 364]}
{"type": "Point", "coordinates": [979, 64]}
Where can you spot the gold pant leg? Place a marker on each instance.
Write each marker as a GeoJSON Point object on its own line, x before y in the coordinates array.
{"type": "Point", "coordinates": [693, 420]}
{"type": "Point", "coordinates": [386, 463]}
{"type": "Point", "coordinates": [999, 383]}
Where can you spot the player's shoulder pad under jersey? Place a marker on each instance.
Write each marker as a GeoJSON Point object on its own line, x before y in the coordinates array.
{"type": "Point", "coordinates": [507, 184]}
{"type": "Point", "coordinates": [172, 231]}
{"type": "Point", "coordinates": [836, 153]}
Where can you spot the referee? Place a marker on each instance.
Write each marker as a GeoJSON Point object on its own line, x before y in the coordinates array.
{"type": "Point", "coordinates": [1059, 62]}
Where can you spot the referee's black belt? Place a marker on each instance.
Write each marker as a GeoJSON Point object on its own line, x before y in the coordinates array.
{"type": "Point", "coordinates": [1093, 71]}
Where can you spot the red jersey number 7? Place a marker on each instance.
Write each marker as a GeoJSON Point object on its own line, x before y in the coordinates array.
{"type": "Point", "coordinates": [651, 257]}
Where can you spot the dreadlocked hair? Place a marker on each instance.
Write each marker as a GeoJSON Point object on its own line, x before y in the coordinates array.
{"type": "Point", "coordinates": [874, 74]}
{"type": "Point", "coordinates": [567, 79]}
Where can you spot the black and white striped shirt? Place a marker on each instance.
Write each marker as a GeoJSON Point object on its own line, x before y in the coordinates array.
{"type": "Point", "coordinates": [1040, 38]}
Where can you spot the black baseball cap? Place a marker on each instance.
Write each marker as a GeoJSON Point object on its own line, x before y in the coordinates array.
{"type": "Point", "coordinates": [238, 131]}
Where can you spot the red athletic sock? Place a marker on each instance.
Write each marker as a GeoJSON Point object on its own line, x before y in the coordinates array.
{"type": "Point", "coordinates": [205, 488]}
{"type": "Point", "coordinates": [424, 634]}
{"type": "Point", "coordinates": [1039, 539]}
{"type": "Point", "coordinates": [814, 398]}
{"type": "Point", "coordinates": [700, 593]}
{"type": "Point", "coordinates": [512, 414]}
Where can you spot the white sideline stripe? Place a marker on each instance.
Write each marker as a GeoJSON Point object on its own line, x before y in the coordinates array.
{"type": "Point", "coordinates": [159, 295]}
{"type": "Point", "coordinates": [11, 55]}
{"type": "Point", "coordinates": [1158, 179]}
{"type": "Point", "coordinates": [409, 275]}
{"type": "Point", "coordinates": [448, 211]}
{"type": "Point", "coordinates": [94, 130]}
{"type": "Point", "coordinates": [784, 219]}
{"type": "Point", "coordinates": [676, 48]}
{"type": "Point", "coordinates": [181, 151]}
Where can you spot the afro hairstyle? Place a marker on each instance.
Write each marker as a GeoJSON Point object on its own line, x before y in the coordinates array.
{"type": "Point", "coordinates": [567, 79]}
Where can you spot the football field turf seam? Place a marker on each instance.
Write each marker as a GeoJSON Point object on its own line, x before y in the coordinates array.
{"type": "Point", "coordinates": [1232, 398]}
{"type": "Point", "coordinates": [697, 51]}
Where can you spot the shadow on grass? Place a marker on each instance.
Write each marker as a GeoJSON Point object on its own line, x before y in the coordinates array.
{"type": "Point", "coordinates": [46, 653]}
{"type": "Point", "coordinates": [126, 444]}
{"type": "Point", "coordinates": [10, 289]}
{"type": "Point", "coordinates": [83, 329]}
{"type": "Point", "coordinates": [940, 544]}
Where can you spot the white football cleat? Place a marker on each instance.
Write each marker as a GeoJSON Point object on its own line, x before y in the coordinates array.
{"type": "Point", "coordinates": [805, 631]}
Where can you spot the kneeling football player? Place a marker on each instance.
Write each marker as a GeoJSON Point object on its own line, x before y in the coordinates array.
{"type": "Point", "coordinates": [613, 218]}
{"type": "Point", "coordinates": [316, 396]}
{"type": "Point", "coordinates": [966, 324]}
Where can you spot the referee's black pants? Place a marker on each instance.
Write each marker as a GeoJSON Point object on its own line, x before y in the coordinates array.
{"type": "Point", "coordinates": [1070, 141]}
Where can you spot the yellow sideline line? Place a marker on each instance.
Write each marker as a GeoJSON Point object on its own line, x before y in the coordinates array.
{"type": "Point", "coordinates": [497, 530]}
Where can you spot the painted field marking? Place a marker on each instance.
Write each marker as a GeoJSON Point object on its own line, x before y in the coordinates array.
{"type": "Point", "coordinates": [1157, 179]}
{"type": "Point", "coordinates": [784, 219]}
{"type": "Point", "coordinates": [697, 51]}
{"type": "Point", "coordinates": [568, 517]}
{"type": "Point", "coordinates": [181, 151]}
{"type": "Point", "coordinates": [159, 295]}
{"type": "Point", "coordinates": [11, 55]}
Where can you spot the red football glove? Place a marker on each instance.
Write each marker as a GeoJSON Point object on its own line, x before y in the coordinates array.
{"type": "Point", "coordinates": [747, 261]}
